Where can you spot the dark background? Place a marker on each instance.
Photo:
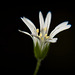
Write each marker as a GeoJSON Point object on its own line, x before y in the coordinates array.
{"type": "Point", "coordinates": [16, 49]}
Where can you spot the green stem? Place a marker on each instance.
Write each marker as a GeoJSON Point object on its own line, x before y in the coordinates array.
{"type": "Point", "coordinates": [37, 67]}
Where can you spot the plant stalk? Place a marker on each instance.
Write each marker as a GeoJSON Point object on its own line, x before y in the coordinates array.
{"type": "Point", "coordinates": [37, 67]}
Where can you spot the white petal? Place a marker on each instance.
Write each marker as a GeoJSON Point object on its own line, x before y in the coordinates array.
{"type": "Point", "coordinates": [59, 30]}
{"type": "Point", "coordinates": [48, 21]}
{"type": "Point", "coordinates": [60, 25]}
{"type": "Point", "coordinates": [53, 40]}
{"type": "Point", "coordinates": [35, 40]}
{"type": "Point", "coordinates": [41, 20]}
{"type": "Point", "coordinates": [25, 33]}
{"type": "Point", "coordinates": [30, 25]}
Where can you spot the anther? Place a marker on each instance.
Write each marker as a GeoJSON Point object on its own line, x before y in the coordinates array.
{"type": "Point", "coordinates": [40, 34]}
{"type": "Point", "coordinates": [42, 38]}
{"type": "Point", "coordinates": [45, 35]}
{"type": "Point", "coordinates": [37, 30]}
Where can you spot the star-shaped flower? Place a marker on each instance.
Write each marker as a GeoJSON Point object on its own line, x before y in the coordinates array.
{"type": "Point", "coordinates": [41, 36]}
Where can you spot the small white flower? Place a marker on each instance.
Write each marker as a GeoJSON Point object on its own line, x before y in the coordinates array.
{"type": "Point", "coordinates": [41, 36]}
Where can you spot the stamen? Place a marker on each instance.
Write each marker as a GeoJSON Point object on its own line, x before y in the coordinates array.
{"type": "Point", "coordinates": [45, 35]}
{"type": "Point", "coordinates": [42, 38]}
{"type": "Point", "coordinates": [40, 34]}
{"type": "Point", "coordinates": [37, 30]}
{"type": "Point", "coordinates": [45, 29]}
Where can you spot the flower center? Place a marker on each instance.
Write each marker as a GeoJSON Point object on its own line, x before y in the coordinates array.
{"type": "Point", "coordinates": [41, 36]}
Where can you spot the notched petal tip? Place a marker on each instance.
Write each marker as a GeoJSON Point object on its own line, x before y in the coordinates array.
{"type": "Point", "coordinates": [61, 25]}
{"type": "Point", "coordinates": [22, 17]}
{"type": "Point", "coordinates": [54, 40]}
{"type": "Point", "coordinates": [69, 25]}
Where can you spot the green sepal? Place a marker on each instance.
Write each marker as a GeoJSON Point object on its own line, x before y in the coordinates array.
{"type": "Point", "coordinates": [37, 51]}
{"type": "Point", "coordinates": [40, 54]}
{"type": "Point", "coordinates": [44, 51]}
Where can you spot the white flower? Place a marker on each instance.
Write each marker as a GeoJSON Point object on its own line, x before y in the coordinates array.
{"type": "Point", "coordinates": [41, 36]}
